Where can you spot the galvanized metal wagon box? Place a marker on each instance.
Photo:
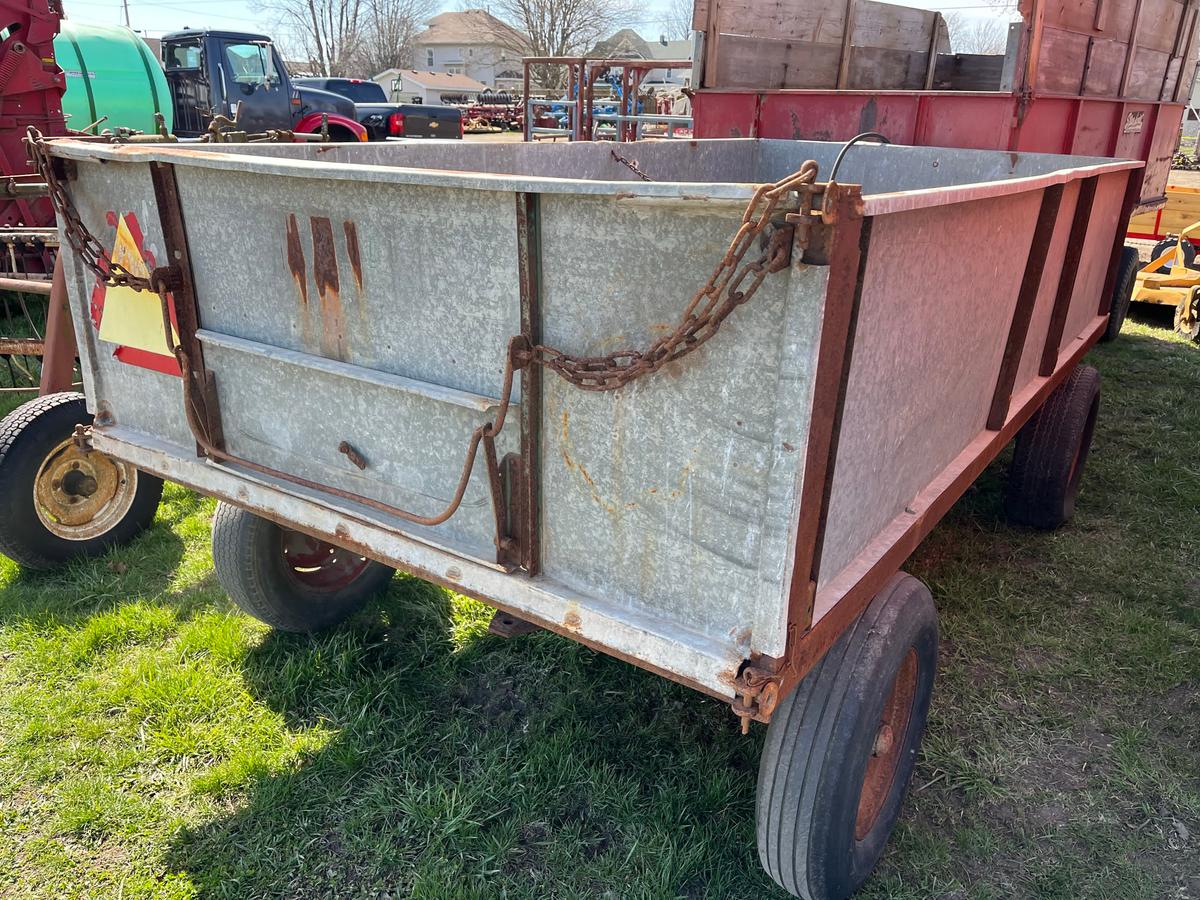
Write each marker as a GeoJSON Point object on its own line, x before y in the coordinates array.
{"type": "Point", "coordinates": [544, 376]}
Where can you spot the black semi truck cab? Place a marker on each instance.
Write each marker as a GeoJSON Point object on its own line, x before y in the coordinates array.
{"type": "Point", "coordinates": [230, 73]}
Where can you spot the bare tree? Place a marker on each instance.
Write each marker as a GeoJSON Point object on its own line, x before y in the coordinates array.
{"type": "Point", "coordinates": [976, 34]}
{"type": "Point", "coordinates": [388, 32]}
{"type": "Point", "coordinates": [326, 30]}
{"type": "Point", "coordinates": [563, 27]}
{"type": "Point", "coordinates": [676, 20]}
{"type": "Point", "coordinates": [350, 37]}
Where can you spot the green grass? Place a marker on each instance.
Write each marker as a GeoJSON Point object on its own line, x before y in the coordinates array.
{"type": "Point", "coordinates": [156, 743]}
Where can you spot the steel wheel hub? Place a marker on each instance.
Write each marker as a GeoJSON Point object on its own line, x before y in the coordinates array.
{"type": "Point", "coordinates": [885, 752]}
{"type": "Point", "coordinates": [319, 565]}
{"type": "Point", "coordinates": [79, 495]}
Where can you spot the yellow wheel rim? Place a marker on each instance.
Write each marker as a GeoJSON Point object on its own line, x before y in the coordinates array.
{"type": "Point", "coordinates": [80, 495]}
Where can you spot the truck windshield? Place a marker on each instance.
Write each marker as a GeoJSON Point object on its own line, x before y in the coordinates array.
{"type": "Point", "coordinates": [249, 63]}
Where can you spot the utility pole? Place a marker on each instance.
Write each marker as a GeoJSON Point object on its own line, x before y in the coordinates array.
{"type": "Point", "coordinates": [125, 3]}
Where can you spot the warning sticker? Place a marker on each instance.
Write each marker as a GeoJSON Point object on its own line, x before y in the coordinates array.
{"type": "Point", "coordinates": [130, 318]}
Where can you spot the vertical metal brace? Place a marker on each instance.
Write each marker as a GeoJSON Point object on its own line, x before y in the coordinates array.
{"type": "Point", "coordinates": [1031, 284]}
{"type": "Point", "coordinates": [183, 299]}
{"type": "Point", "coordinates": [526, 492]}
{"type": "Point", "coordinates": [765, 680]}
{"type": "Point", "coordinates": [1133, 192]}
{"type": "Point", "coordinates": [1066, 280]}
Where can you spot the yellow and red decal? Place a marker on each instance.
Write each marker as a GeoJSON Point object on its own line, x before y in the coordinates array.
{"type": "Point", "coordinates": [130, 318]}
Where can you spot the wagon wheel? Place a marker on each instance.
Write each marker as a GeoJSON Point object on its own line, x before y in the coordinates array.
{"type": "Point", "coordinates": [1127, 268]}
{"type": "Point", "coordinates": [1052, 449]}
{"type": "Point", "coordinates": [1188, 248]}
{"type": "Point", "coordinates": [841, 747]}
{"type": "Point", "coordinates": [58, 501]}
{"type": "Point", "coordinates": [1187, 315]}
{"type": "Point", "coordinates": [287, 579]}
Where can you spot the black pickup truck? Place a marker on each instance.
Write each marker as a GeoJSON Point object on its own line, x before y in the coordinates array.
{"type": "Point", "coordinates": [384, 119]}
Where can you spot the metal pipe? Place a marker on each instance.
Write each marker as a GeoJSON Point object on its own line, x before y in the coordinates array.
{"type": "Point", "coordinates": [14, 188]}
{"type": "Point", "coordinates": [26, 286]}
{"type": "Point", "coordinates": [58, 359]}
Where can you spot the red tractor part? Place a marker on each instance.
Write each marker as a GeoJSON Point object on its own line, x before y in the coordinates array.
{"type": "Point", "coordinates": [31, 89]}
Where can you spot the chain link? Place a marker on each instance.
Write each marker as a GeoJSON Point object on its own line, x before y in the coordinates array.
{"type": "Point", "coordinates": [89, 250]}
{"type": "Point", "coordinates": [726, 289]}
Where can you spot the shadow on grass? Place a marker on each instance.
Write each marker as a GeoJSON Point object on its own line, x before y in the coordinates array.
{"type": "Point", "coordinates": [467, 765]}
{"type": "Point", "coordinates": [78, 590]}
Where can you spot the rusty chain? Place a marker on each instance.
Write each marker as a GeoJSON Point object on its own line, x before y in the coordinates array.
{"type": "Point", "coordinates": [709, 307]}
{"type": "Point", "coordinates": [631, 165]}
{"type": "Point", "coordinates": [89, 250]}
{"type": "Point", "coordinates": [732, 283]}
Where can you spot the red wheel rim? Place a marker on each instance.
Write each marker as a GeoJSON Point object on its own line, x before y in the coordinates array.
{"type": "Point", "coordinates": [318, 565]}
{"type": "Point", "coordinates": [889, 744]}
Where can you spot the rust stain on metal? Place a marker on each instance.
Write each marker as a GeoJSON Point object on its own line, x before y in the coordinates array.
{"type": "Point", "coordinates": [295, 257]}
{"type": "Point", "coordinates": [576, 466]}
{"type": "Point", "coordinates": [325, 274]}
{"type": "Point", "coordinates": [352, 250]}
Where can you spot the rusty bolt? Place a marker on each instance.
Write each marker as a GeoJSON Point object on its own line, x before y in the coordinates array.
{"type": "Point", "coordinates": [351, 454]}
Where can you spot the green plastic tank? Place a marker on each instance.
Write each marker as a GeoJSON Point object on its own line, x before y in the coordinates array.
{"type": "Point", "coordinates": [110, 72]}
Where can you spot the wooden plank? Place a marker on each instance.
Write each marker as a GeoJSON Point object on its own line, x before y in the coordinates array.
{"type": "Point", "coordinates": [1146, 74]}
{"type": "Point", "coordinates": [1060, 65]}
{"type": "Point", "coordinates": [892, 27]}
{"type": "Point", "coordinates": [874, 24]}
{"type": "Point", "coordinates": [1159, 24]}
{"type": "Point", "coordinates": [781, 20]}
{"type": "Point", "coordinates": [1131, 49]}
{"type": "Point", "coordinates": [1103, 75]}
{"type": "Point", "coordinates": [804, 44]}
{"type": "Point", "coordinates": [876, 69]}
{"type": "Point", "coordinates": [1188, 54]}
{"type": "Point", "coordinates": [931, 53]}
{"type": "Point", "coordinates": [847, 34]}
{"type": "Point", "coordinates": [968, 72]}
{"type": "Point", "coordinates": [1168, 82]}
{"type": "Point", "coordinates": [760, 63]}
{"type": "Point", "coordinates": [1109, 18]}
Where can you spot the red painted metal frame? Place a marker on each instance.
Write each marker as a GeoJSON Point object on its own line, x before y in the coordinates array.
{"type": "Point", "coordinates": [31, 89]}
{"type": "Point", "coordinates": [1087, 126]}
{"type": "Point", "coordinates": [807, 641]}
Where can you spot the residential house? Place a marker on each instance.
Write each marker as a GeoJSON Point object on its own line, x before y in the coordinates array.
{"type": "Point", "coordinates": [473, 43]}
{"type": "Point", "coordinates": [413, 86]}
{"type": "Point", "coordinates": [628, 44]}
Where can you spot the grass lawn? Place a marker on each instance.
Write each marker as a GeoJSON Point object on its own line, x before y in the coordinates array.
{"type": "Point", "coordinates": [155, 742]}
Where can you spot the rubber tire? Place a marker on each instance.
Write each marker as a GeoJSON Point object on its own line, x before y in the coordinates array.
{"type": "Point", "coordinates": [1127, 268]}
{"type": "Point", "coordinates": [246, 557]}
{"type": "Point", "coordinates": [341, 135]}
{"type": "Point", "coordinates": [821, 737]}
{"type": "Point", "coordinates": [1189, 251]}
{"type": "Point", "coordinates": [27, 435]}
{"type": "Point", "coordinates": [1052, 449]}
{"type": "Point", "coordinates": [1188, 304]}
